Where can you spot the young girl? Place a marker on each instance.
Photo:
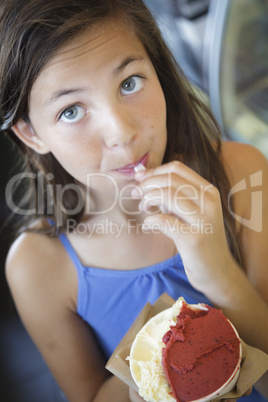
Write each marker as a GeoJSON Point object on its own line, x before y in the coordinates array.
{"type": "Point", "coordinates": [89, 91]}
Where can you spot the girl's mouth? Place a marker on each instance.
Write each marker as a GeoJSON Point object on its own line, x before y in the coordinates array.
{"type": "Point", "coordinates": [129, 170]}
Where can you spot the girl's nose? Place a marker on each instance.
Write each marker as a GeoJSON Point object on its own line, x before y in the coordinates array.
{"type": "Point", "coordinates": [119, 129]}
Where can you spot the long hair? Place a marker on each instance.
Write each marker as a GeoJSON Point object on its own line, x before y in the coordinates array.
{"type": "Point", "coordinates": [32, 31]}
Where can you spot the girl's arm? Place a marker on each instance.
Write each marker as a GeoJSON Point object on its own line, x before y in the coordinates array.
{"type": "Point", "coordinates": [250, 167]}
{"type": "Point", "coordinates": [191, 215]}
{"type": "Point", "coordinates": [42, 287]}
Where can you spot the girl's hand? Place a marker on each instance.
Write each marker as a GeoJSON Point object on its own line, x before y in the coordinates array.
{"type": "Point", "coordinates": [134, 396]}
{"type": "Point", "coordinates": [227, 400]}
{"type": "Point", "coordinates": [190, 213]}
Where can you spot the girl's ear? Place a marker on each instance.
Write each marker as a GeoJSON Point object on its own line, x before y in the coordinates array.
{"type": "Point", "coordinates": [25, 132]}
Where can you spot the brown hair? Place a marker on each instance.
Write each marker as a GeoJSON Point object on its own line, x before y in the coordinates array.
{"type": "Point", "coordinates": [32, 31]}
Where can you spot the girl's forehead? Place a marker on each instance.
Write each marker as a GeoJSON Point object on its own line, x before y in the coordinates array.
{"type": "Point", "coordinates": [93, 39]}
{"type": "Point", "coordinates": [103, 45]}
{"type": "Point", "coordinates": [93, 52]}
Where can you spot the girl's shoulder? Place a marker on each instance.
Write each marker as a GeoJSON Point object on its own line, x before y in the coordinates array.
{"type": "Point", "coordinates": [38, 264]}
{"type": "Point", "coordinates": [241, 160]}
{"type": "Point", "coordinates": [247, 170]}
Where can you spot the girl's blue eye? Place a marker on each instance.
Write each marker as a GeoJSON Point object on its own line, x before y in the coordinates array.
{"type": "Point", "coordinates": [73, 114]}
{"type": "Point", "coordinates": [131, 85]}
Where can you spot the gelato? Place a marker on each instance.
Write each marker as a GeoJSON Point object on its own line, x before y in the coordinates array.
{"type": "Point", "coordinates": [186, 353]}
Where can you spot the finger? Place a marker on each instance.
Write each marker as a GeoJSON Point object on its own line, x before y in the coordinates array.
{"type": "Point", "coordinates": [248, 392]}
{"type": "Point", "coordinates": [166, 224]}
{"type": "Point", "coordinates": [134, 396]}
{"type": "Point", "coordinates": [161, 186]}
{"type": "Point", "coordinates": [188, 208]}
{"type": "Point", "coordinates": [167, 200]}
{"type": "Point", "coordinates": [183, 188]}
{"type": "Point", "coordinates": [175, 167]}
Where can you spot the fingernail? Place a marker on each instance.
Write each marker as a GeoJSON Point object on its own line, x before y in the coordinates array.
{"type": "Point", "coordinates": [136, 192]}
{"type": "Point", "coordinates": [140, 174]}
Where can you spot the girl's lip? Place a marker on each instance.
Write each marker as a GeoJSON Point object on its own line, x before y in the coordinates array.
{"type": "Point", "coordinates": [129, 169]}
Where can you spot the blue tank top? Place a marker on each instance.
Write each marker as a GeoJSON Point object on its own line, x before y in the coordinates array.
{"type": "Point", "coordinates": [110, 300]}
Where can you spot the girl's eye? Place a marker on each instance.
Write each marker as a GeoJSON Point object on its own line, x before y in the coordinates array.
{"type": "Point", "coordinates": [132, 85]}
{"type": "Point", "coordinates": [73, 114]}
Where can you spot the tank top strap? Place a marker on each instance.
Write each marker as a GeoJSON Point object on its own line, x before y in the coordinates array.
{"type": "Point", "coordinates": [80, 269]}
{"type": "Point", "coordinates": [70, 250]}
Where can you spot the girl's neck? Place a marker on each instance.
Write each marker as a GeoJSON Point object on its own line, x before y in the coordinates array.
{"type": "Point", "coordinates": [112, 205]}
{"type": "Point", "coordinates": [119, 245]}
{"type": "Point", "coordinates": [115, 225]}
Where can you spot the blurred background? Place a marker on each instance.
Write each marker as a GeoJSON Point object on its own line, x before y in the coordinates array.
{"type": "Point", "coordinates": [221, 46]}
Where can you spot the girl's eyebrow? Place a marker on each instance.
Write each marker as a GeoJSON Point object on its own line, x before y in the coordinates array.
{"type": "Point", "coordinates": [69, 91]}
{"type": "Point", "coordinates": [63, 92]}
{"type": "Point", "coordinates": [128, 60]}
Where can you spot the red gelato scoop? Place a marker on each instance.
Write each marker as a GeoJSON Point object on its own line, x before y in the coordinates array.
{"type": "Point", "coordinates": [202, 353]}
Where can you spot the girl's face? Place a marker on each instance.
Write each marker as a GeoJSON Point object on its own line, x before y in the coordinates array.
{"type": "Point", "coordinates": [98, 106]}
